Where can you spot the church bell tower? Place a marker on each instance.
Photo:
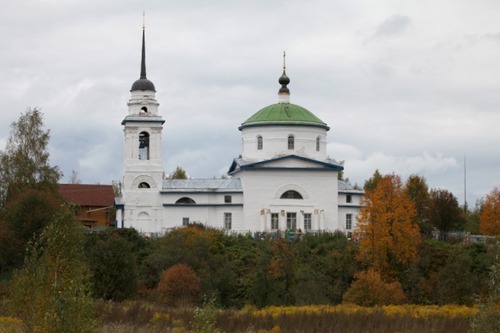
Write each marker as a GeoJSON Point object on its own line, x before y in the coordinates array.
{"type": "Point", "coordinates": [142, 129]}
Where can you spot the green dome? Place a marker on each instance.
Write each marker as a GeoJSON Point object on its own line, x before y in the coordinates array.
{"type": "Point", "coordinates": [284, 114]}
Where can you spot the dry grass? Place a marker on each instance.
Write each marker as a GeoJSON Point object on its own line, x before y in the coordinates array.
{"type": "Point", "coordinates": [139, 317]}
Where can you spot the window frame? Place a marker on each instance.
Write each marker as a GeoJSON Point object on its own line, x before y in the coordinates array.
{"type": "Point", "coordinates": [307, 221]}
{"type": "Point", "coordinates": [144, 146]}
{"type": "Point", "coordinates": [291, 221]}
{"type": "Point", "coordinates": [275, 221]}
{"type": "Point", "coordinates": [291, 194]}
{"type": "Point", "coordinates": [260, 142]}
{"type": "Point", "coordinates": [291, 142]}
{"type": "Point", "coordinates": [228, 220]}
{"type": "Point", "coordinates": [348, 221]}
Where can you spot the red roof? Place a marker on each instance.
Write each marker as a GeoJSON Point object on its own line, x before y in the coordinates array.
{"type": "Point", "coordinates": [88, 195]}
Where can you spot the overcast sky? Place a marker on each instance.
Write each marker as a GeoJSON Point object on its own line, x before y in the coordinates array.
{"type": "Point", "coordinates": [406, 86]}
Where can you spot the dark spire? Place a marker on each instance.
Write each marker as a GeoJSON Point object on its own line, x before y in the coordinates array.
{"type": "Point", "coordinates": [143, 83]}
{"type": "Point", "coordinates": [284, 80]}
{"type": "Point", "coordinates": [143, 57]}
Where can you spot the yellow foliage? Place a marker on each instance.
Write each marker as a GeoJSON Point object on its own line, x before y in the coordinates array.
{"type": "Point", "coordinates": [160, 319]}
{"type": "Point", "coordinates": [275, 329]}
{"type": "Point", "coordinates": [10, 321]}
{"type": "Point", "coordinates": [407, 310]}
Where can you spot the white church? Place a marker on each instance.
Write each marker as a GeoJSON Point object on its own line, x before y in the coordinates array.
{"type": "Point", "coordinates": [282, 181]}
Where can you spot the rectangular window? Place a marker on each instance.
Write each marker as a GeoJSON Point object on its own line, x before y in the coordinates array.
{"type": "Point", "coordinates": [348, 198]}
{"type": "Point", "coordinates": [228, 199]}
{"type": "Point", "coordinates": [348, 221]}
{"type": "Point", "coordinates": [291, 221]}
{"type": "Point", "coordinates": [307, 221]}
{"type": "Point", "coordinates": [291, 142]}
{"type": "Point", "coordinates": [228, 220]}
{"type": "Point", "coordinates": [185, 221]}
{"type": "Point", "coordinates": [275, 218]}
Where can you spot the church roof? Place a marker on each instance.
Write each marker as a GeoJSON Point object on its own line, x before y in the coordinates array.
{"type": "Point", "coordinates": [143, 83]}
{"type": "Point", "coordinates": [284, 113]}
{"type": "Point", "coordinates": [281, 114]}
{"type": "Point", "coordinates": [201, 185]}
{"type": "Point", "coordinates": [304, 163]}
{"type": "Point", "coordinates": [347, 187]}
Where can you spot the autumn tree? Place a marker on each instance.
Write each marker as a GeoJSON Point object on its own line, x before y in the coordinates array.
{"type": "Point", "coordinates": [418, 191]}
{"type": "Point", "coordinates": [445, 213]}
{"type": "Point", "coordinates": [388, 235]}
{"type": "Point", "coordinates": [51, 292]}
{"type": "Point", "coordinates": [369, 289]}
{"type": "Point", "coordinates": [25, 162]}
{"type": "Point", "coordinates": [490, 216]}
{"type": "Point", "coordinates": [179, 285]}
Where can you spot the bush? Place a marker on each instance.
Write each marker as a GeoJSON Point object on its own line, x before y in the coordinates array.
{"type": "Point", "coordinates": [369, 289]}
{"type": "Point", "coordinates": [179, 285]}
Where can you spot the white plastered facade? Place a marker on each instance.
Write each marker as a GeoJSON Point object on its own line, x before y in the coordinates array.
{"type": "Point", "coordinates": [270, 187]}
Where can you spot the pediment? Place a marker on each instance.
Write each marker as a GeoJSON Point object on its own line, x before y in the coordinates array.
{"type": "Point", "coordinates": [291, 162]}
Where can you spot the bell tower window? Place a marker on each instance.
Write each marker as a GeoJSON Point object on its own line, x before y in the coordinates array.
{"type": "Point", "coordinates": [144, 185]}
{"type": "Point", "coordinates": [144, 146]}
{"type": "Point", "coordinates": [291, 142]}
{"type": "Point", "coordinates": [144, 109]}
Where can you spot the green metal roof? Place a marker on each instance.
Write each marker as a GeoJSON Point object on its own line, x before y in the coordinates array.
{"type": "Point", "coordinates": [284, 114]}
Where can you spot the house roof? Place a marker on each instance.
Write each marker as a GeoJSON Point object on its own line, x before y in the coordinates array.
{"type": "Point", "coordinates": [88, 194]}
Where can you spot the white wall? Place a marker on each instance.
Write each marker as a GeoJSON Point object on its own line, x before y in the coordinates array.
{"type": "Point", "coordinates": [275, 142]}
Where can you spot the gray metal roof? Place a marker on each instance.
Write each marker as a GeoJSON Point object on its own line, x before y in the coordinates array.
{"type": "Point", "coordinates": [202, 185]}
{"type": "Point", "coordinates": [346, 187]}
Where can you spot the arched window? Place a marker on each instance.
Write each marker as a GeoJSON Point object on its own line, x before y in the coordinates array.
{"type": "Point", "coordinates": [317, 143]}
{"type": "Point", "coordinates": [144, 109]}
{"type": "Point", "coordinates": [144, 185]}
{"type": "Point", "coordinates": [291, 194]}
{"type": "Point", "coordinates": [291, 142]}
{"type": "Point", "coordinates": [144, 146]}
{"type": "Point", "coordinates": [259, 143]}
{"type": "Point", "coordinates": [185, 200]}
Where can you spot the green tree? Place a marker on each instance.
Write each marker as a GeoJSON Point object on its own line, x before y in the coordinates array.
{"type": "Point", "coordinates": [179, 173]}
{"type": "Point", "coordinates": [445, 213]}
{"type": "Point", "coordinates": [24, 218]}
{"type": "Point", "coordinates": [418, 191]}
{"type": "Point", "coordinates": [51, 293]}
{"type": "Point", "coordinates": [487, 319]}
{"type": "Point", "coordinates": [326, 264]}
{"type": "Point", "coordinates": [371, 183]}
{"type": "Point", "coordinates": [112, 262]}
{"type": "Point", "coordinates": [473, 218]}
{"type": "Point", "coordinates": [25, 162]}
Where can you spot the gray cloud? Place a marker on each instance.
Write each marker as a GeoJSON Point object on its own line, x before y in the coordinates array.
{"type": "Point", "coordinates": [393, 26]}
{"type": "Point", "coordinates": [403, 105]}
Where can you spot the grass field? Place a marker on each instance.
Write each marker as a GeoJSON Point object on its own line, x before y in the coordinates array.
{"type": "Point", "coordinates": [141, 317]}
